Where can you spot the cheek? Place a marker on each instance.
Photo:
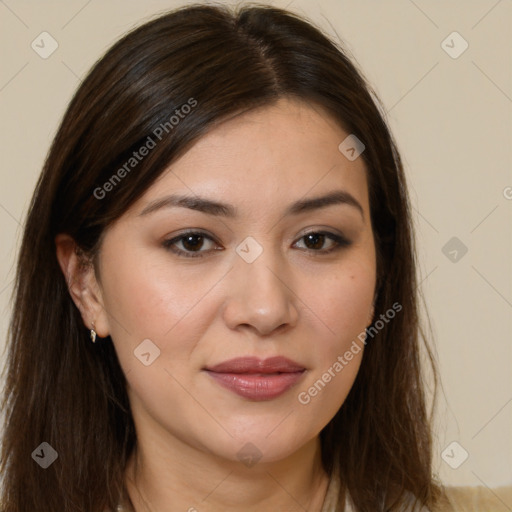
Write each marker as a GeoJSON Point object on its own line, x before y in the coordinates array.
{"type": "Point", "coordinates": [345, 300]}
{"type": "Point", "coordinates": [343, 308]}
{"type": "Point", "coordinates": [148, 297]}
{"type": "Point", "coordinates": [147, 302]}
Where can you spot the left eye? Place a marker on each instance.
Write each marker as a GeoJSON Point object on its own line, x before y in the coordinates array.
{"type": "Point", "coordinates": [315, 241]}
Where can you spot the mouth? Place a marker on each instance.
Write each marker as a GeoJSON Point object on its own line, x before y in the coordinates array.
{"type": "Point", "coordinates": [257, 379]}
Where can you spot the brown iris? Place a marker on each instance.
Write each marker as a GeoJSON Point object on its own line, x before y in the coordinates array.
{"type": "Point", "coordinates": [192, 242]}
{"type": "Point", "coordinates": [314, 240]}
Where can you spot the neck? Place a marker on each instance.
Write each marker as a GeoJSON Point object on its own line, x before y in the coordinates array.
{"type": "Point", "coordinates": [182, 478]}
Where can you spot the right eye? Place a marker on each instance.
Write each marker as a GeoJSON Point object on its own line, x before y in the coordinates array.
{"type": "Point", "coordinates": [190, 244]}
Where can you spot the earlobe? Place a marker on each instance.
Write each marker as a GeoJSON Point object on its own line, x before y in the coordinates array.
{"type": "Point", "coordinates": [82, 284]}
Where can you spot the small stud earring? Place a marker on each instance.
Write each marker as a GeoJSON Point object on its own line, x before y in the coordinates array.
{"type": "Point", "coordinates": [92, 334]}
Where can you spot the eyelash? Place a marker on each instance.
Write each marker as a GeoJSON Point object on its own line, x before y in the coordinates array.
{"type": "Point", "coordinates": [340, 243]}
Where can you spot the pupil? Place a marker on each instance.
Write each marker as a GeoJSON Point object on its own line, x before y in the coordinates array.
{"type": "Point", "coordinates": [316, 239]}
{"type": "Point", "coordinates": [193, 242]}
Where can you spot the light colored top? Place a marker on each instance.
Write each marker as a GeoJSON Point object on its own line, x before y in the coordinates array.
{"type": "Point", "coordinates": [331, 499]}
{"type": "Point", "coordinates": [461, 499]}
{"type": "Point", "coordinates": [329, 505]}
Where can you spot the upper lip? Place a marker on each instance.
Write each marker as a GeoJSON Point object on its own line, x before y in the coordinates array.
{"type": "Point", "coordinates": [277, 364]}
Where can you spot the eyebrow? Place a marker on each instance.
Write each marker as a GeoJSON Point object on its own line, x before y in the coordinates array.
{"type": "Point", "coordinates": [210, 207]}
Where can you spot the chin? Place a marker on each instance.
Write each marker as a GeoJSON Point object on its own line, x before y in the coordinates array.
{"type": "Point", "coordinates": [257, 446]}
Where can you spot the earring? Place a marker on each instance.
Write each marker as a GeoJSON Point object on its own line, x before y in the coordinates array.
{"type": "Point", "coordinates": [92, 334]}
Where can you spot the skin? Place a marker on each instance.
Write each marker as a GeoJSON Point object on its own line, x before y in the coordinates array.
{"type": "Point", "coordinates": [291, 301]}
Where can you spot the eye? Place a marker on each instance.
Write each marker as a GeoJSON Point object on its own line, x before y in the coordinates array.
{"type": "Point", "coordinates": [191, 244]}
{"type": "Point", "coordinates": [315, 242]}
{"type": "Point", "coordinates": [195, 244]}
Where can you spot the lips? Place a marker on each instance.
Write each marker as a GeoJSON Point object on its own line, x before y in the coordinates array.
{"type": "Point", "coordinates": [257, 379]}
{"type": "Point", "coordinates": [254, 365]}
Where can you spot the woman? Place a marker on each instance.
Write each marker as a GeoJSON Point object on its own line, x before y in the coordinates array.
{"type": "Point", "coordinates": [215, 305]}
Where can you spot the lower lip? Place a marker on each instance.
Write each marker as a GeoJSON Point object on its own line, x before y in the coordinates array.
{"type": "Point", "coordinates": [257, 386]}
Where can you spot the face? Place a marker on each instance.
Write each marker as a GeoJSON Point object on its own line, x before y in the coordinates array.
{"type": "Point", "coordinates": [232, 292]}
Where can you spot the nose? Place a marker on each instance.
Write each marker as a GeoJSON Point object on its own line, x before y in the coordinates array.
{"type": "Point", "coordinates": [260, 296]}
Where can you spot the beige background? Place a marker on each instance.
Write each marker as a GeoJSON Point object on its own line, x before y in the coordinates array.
{"type": "Point", "coordinates": [452, 119]}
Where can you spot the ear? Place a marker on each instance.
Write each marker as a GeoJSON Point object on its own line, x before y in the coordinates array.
{"type": "Point", "coordinates": [82, 284]}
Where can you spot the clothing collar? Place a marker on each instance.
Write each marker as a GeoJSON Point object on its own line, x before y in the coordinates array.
{"type": "Point", "coordinates": [329, 505]}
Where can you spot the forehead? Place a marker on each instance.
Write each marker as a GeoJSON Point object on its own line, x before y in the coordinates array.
{"type": "Point", "coordinates": [267, 156]}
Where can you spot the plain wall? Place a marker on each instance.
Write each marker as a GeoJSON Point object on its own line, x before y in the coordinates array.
{"type": "Point", "coordinates": [452, 118]}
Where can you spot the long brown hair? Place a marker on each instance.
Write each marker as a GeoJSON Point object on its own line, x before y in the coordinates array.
{"type": "Point", "coordinates": [63, 390]}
